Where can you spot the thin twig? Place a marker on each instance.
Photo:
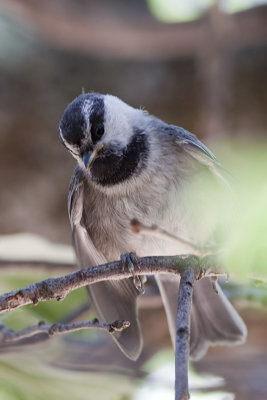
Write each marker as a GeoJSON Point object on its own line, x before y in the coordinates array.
{"type": "Point", "coordinates": [59, 328]}
{"type": "Point", "coordinates": [156, 231]}
{"type": "Point", "coordinates": [183, 334]}
{"type": "Point", "coordinates": [42, 336]}
{"type": "Point", "coordinates": [59, 287]}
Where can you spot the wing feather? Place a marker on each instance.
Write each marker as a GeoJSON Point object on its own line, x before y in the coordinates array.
{"type": "Point", "coordinates": [197, 150]}
{"type": "Point", "coordinates": [112, 300]}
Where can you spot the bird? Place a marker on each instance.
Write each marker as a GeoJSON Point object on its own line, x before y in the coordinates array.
{"type": "Point", "coordinates": [132, 165]}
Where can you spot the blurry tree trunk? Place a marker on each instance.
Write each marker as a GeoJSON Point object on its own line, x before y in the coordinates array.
{"type": "Point", "coordinates": [214, 72]}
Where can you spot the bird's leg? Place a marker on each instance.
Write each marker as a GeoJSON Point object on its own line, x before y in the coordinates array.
{"type": "Point", "coordinates": [130, 261]}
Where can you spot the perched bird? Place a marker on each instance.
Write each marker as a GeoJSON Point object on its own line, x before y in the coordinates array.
{"type": "Point", "coordinates": [132, 165]}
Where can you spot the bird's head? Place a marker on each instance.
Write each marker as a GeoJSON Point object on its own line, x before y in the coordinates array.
{"type": "Point", "coordinates": [102, 133]}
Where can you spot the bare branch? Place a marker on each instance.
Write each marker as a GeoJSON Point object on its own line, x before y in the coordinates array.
{"type": "Point", "coordinates": [59, 328]}
{"type": "Point", "coordinates": [190, 267]}
{"type": "Point", "coordinates": [155, 231]}
{"type": "Point", "coordinates": [59, 287]}
{"type": "Point", "coordinates": [37, 337]}
{"type": "Point", "coordinates": [183, 334]}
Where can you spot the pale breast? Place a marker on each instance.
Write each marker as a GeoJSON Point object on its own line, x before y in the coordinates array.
{"type": "Point", "coordinates": [166, 199]}
{"type": "Point", "coordinates": [108, 221]}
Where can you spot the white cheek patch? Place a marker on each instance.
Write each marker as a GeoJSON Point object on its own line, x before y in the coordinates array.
{"type": "Point", "coordinates": [74, 150]}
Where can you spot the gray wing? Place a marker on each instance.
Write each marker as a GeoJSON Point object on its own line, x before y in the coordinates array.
{"type": "Point", "coordinates": [191, 143]}
{"type": "Point", "coordinates": [213, 318]}
{"type": "Point", "coordinates": [197, 150]}
{"type": "Point", "coordinates": [112, 300]}
{"type": "Point", "coordinates": [210, 195]}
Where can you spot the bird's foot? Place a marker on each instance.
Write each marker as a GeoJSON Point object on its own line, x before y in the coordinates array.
{"type": "Point", "coordinates": [129, 262]}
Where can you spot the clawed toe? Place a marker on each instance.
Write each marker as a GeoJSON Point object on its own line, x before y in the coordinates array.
{"type": "Point", "coordinates": [129, 261]}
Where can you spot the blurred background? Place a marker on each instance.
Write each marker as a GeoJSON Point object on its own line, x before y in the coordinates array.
{"type": "Point", "coordinates": [200, 64]}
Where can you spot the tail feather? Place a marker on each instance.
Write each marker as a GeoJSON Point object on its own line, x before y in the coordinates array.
{"type": "Point", "coordinates": [213, 318]}
{"type": "Point", "coordinates": [117, 300]}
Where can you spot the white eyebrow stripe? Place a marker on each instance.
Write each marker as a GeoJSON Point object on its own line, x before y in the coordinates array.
{"type": "Point", "coordinates": [86, 110]}
{"type": "Point", "coordinates": [62, 137]}
{"type": "Point", "coordinates": [73, 149]}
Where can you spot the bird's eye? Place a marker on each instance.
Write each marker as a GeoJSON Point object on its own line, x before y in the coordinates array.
{"type": "Point", "coordinates": [97, 132]}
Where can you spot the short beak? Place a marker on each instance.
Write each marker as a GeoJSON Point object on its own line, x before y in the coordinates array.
{"type": "Point", "coordinates": [88, 158]}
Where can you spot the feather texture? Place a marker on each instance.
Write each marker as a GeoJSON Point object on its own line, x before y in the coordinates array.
{"type": "Point", "coordinates": [112, 300]}
{"type": "Point", "coordinates": [159, 174]}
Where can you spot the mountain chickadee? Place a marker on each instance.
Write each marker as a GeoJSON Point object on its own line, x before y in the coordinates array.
{"type": "Point", "coordinates": [132, 165]}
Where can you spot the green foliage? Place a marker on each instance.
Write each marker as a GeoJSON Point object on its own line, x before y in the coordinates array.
{"type": "Point", "coordinates": [29, 377]}
{"type": "Point", "coordinates": [245, 254]}
{"type": "Point", "coordinates": [171, 11]}
{"type": "Point", "coordinates": [178, 11]}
